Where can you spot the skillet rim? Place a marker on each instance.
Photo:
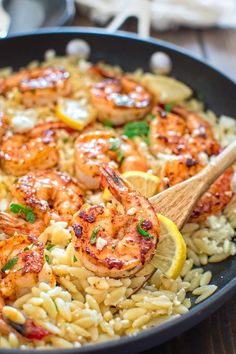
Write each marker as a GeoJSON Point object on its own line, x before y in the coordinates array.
{"type": "Point", "coordinates": [197, 313]}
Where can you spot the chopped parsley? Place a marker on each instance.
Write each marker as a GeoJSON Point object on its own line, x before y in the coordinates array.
{"type": "Point", "coordinates": [121, 156]}
{"type": "Point", "coordinates": [50, 246]}
{"type": "Point", "coordinates": [140, 230]}
{"type": "Point", "coordinates": [26, 249]}
{"type": "Point", "coordinates": [115, 144]}
{"type": "Point", "coordinates": [22, 209]}
{"type": "Point", "coordinates": [151, 116]}
{"type": "Point", "coordinates": [10, 264]}
{"type": "Point", "coordinates": [108, 123]}
{"type": "Point", "coordinates": [168, 107]}
{"type": "Point", "coordinates": [93, 237]}
{"type": "Point", "coordinates": [133, 129]}
{"type": "Point", "coordinates": [75, 259]}
{"type": "Point", "coordinates": [113, 247]}
{"type": "Point", "coordinates": [47, 258]}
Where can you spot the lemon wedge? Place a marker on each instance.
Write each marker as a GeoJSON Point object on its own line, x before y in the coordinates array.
{"type": "Point", "coordinates": [167, 88]}
{"type": "Point", "coordinates": [75, 113]}
{"type": "Point", "coordinates": [146, 183]}
{"type": "Point", "coordinates": [171, 249]}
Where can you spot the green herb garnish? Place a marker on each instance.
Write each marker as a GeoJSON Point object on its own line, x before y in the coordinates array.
{"type": "Point", "coordinates": [27, 211]}
{"type": "Point", "coordinates": [115, 144]}
{"type": "Point", "coordinates": [141, 230]}
{"type": "Point", "coordinates": [75, 259]}
{"type": "Point", "coordinates": [10, 263]}
{"type": "Point", "coordinates": [121, 156]}
{"type": "Point", "coordinates": [151, 116]}
{"type": "Point", "coordinates": [50, 246]}
{"type": "Point", "coordinates": [133, 129]}
{"type": "Point", "coordinates": [108, 123]}
{"type": "Point", "coordinates": [93, 237]}
{"type": "Point", "coordinates": [168, 107]}
{"type": "Point", "coordinates": [47, 258]}
{"type": "Point", "coordinates": [113, 247]}
{"type": "Point", "coordinates": [26, 249]}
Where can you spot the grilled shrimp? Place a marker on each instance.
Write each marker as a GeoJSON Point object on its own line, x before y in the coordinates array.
{"type": "Point", "coordinates": [40, 86]}
{"type": "Point", "coordinates": [22, 266]}
{"type": "Point", "coordinates": [119, 99]}
{"type": "Point", "coordinates": [94, 149]}
{"type": "Point", "coordinates": [21, 153]}
{"type": "Point", "coordinates": [12, 225]}
{"type": "Point", "coordinates": [51, 194]}
{"type": "Point", "coordinates": [182, 132]}
{"type": "Point", "coordinates": [3, 125]}
{"type": "Point", "coordinates": [113, 243]}
{"type": "Point", "coordinates": [215, 199]}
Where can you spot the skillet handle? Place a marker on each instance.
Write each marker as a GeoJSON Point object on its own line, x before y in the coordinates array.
{"type": "Point", "coordinates": [4, 21]}
{"type": "Point", "coordinates": [134, 8]}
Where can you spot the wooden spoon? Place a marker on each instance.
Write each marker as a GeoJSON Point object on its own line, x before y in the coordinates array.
{"type": "Point", "coordinates": [177, 202]}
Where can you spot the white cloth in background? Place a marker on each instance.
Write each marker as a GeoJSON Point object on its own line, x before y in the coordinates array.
{"type": "Point", "coordinates": [167, 14]}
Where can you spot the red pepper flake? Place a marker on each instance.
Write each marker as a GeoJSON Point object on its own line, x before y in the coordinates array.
{"type": "Point", "coordinates": [33, 331]}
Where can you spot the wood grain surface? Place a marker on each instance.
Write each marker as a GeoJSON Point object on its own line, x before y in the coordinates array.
{"type": "Point", "coordinates": [217, 334]}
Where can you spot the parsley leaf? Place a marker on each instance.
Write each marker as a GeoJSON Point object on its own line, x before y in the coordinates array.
{"type": "Point", "coordinates": [115, 144]}
{"type": "Point", "coordinates": [141, 231]}
{"type": "Point", "coordinates": [168, 107]}
{"type": "Point", "coordinates": [47, 258]}
{"type": "Point", "coordinates": [108, 123]}
{"type": "Point", "coordinates": [75, 259]}
{"type": "Point", "coordinates": [93, 237]}
{"type": "Point", "coordinates": [50, 246]}
{"type": "Point", "coordinates": [27, 211]}
{"type": "Point", "coordinates": [10, 264]}
{"type": "Point", "coordinates": [133, 129]}
{"type": "Point", "coordinates": [121, 156]}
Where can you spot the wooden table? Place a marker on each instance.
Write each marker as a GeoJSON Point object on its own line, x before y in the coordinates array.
{"type": "Point", "coordinates": [217, 334]}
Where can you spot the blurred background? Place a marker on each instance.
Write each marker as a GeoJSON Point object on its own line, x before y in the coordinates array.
{"type": "Point", "coordinates": [207, 28]}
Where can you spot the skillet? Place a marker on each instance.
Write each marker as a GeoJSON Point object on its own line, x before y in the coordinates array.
{"type": "Point", "coordinates": [131, 52]}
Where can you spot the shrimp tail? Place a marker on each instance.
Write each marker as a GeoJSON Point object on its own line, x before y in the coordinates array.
{"type": "Point", "coordinates": [10, 224]}
{"type": "Point", "coordinates": [115, 183]}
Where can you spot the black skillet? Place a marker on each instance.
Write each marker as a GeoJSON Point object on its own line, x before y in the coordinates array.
{"type": "Point", "coordinates": [130, 52]}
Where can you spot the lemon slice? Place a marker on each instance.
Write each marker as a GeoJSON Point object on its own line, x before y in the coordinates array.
{"type": "Point", "coordinates": [146, 183]}
{"type": "Point", "coordinates": [167, 88]}
{"type": "Point", "coordinates": [171, 249]}
{"type": "Point", "coordinates": [75, 113]}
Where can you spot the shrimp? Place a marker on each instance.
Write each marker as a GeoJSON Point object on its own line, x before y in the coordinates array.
{"type": "Point", "coordinates": [40, 86]}
{"type": "Point", "coordinates": [96, 148]}
{"type": "Point", "coordinates": [3, 124]}
{"type": "Point", "coordinates": [215, 199]}
{"type": "Point", "coordinates": [22, 266]}
{"type": "Point", "coordinates": [187, 135]}
{"type": "Point", "coordinates": [119, 99]}
{"type": "Point", "coordinates": [52, 195]}
{"type": "Point", "coordinates": [113, 243]}
{"type": "Point", "coordinates": [12, 225]}
{"type": "Point", "coordinates": [21, 153]}
{"type": "Point", "coordinates": [182, 132]}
